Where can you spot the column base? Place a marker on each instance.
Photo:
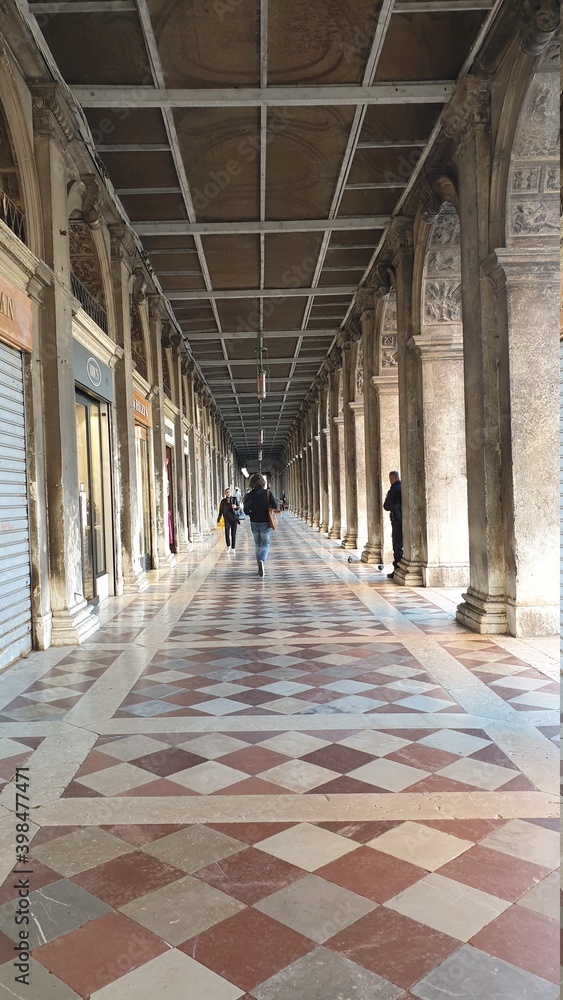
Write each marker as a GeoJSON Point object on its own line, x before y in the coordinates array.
{"type": "Point", "coordinates": [334, 533]}
{"type": "Point", "coordinates": [309, 521]}
{"type": "Point", "coordinates": [135, 583]}
{"type": "Point", "coordinates": [408, 574]}
{"type": "Point", "coordinates": [316, 523]}
{"type": "Point", "coordinates": [445, 576]}
{"type": "Point", "coordinates": [323, 528]}
{"type": "Point", "coordinates": [482, 613]}
{"type": "Point", "coordinates": [42, 630]}
{"type": "Point", "coordinates": [532, 620]}
{"type": "Point", "coordinates": [74, 625]}
{"type": "Point", "coordinates": [349, 541]}
{"type": "Point", "coordinates": [372, 554]}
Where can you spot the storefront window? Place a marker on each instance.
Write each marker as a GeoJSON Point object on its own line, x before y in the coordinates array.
{"type": "Point", "coordinates": [90, 492]}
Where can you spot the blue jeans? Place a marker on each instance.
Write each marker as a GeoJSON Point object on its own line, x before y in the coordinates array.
{"type": "Point", "coordinates": [261, 534]}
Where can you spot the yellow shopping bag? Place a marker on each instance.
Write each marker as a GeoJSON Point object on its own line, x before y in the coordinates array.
{"type": "Point", "coordinates": [220, 523]}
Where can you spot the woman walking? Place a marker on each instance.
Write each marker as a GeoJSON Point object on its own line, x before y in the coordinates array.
{"type": "Point", "coordinates": [228, 510]}
{"type": "Point", "coordinates": [256, 504]}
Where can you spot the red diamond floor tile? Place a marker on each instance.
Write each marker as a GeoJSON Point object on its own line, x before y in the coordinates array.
{"type": "Point", "coordinates": [394, 947]}
{"type": "Point", "coordinates": [126, 878]}
{"type": "Point", "coordinates": [523, 938]}
{"type": "Point", "coordinates": [371, 874]}
{"type": "Point", "coordinates": [248, 949]}
{"type": "Point", "coordinates": [99, 952]}
{"type": "Point", "coordinates": [250, 875]}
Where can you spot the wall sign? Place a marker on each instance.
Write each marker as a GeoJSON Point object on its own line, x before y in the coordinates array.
{"type": "Point", "coordinates": [142, 410]}
{"type": "Point", "coordinates": [16, 317]}
{"type": "Point", "coordinates": [92, 373]}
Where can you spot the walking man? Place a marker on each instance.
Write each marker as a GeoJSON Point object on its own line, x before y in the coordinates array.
{"type": "Point", "coordinates": [228, 510]}
{"type": "Point", "coordinates": [393, 504]}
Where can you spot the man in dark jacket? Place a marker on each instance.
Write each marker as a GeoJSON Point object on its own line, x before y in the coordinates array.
{"type": "Point", "coordinates": [393, 504]}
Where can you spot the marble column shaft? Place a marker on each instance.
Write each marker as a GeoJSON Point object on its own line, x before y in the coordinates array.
{"type": "Point", "coordinates": [350, 540]}
{"type": "Point", "coordinates": [73, 619]}
{"type": "Point", "coordinates": [372, 552]}
{"type": "Point", "coordinates": [334, 455]}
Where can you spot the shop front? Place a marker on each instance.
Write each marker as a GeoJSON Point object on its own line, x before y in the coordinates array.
{"type": "Point", "coordinates": [143, 423]}
{"type": "Point", "coordinates": [93, 399]}
{"type": "Point", "coordinates": [16, 330]}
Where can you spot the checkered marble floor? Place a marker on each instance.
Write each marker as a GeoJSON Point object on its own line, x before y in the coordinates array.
{"type": "Point", "coordinates": [315, 786]}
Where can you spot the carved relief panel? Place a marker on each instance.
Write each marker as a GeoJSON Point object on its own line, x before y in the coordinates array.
{"type": "Point", "coordinates": [388, 344]}
{"type": "Point", "coordinates": [533, 186]}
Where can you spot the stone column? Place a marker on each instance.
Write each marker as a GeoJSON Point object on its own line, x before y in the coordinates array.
{"type": "Point", "coordinates": [323, 465]}
{"type": "Point", "coordinates": [73, 619]}
{"type": "Point", "coordinates": [359, 429]}
{"type": "Point", "coordinates": [310, 481]}
{"type": "Point", "coordinates": [134, 578]}
{"type": "Point", "coordinates": [445, 552]}
{"type": "Point", "coordinates": [386, 393]}
{"type": "Point", "coordinates": [409, 572]}
{"type": "Point", "coordinates": [182, 540]}
{"type": "Point", "coordinates": [316, 470]}
{"type": "Point", "coordinates": [334, 455]}
{"type": "Point", "coordinates": [527, 306]}
{"type": "Point", "coordinates": [162, 549]}
{"type": "Point", "coordinates": [372, 552]}
{"type": "Point", "coordinates": [484, 605]}
{"type": "Point", "coordinates": [339, 424]}
{"type": "Point", "coordinates": [350, 540]}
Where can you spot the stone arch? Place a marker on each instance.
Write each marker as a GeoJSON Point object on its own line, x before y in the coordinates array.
{"type": "Point", "coordinates": [139, 343]}
{"type": "Point", "coordinates": [532, 190]}
{"type": "Point", "coordinates": [90, 260]}
{"type": "Point", "coordinates": [19, 162]}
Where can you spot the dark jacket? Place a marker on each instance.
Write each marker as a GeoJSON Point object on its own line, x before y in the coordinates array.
{"type": "Point", "coordinates": [393, 502]}
{"type": "Point", "coordinates": [255, 504]}
{"type": "Point", "coordinates": [228, 509]}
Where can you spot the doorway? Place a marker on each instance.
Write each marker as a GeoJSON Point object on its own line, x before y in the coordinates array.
{"type": "Point", "coordinates": [94, 495]}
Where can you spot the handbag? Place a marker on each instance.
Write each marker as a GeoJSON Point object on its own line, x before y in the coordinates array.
{"type": "Point", "coordinates": [272, 519]}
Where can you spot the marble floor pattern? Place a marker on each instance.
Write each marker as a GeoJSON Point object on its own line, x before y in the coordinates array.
{"type": "Point", "coordinates": [316, 786]}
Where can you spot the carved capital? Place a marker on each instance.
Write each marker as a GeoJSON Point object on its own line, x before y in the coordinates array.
{"type": "Point", "coordinates": [51, 113]}
{"type": "Point", "coordinates": [139, 291]}
{"type": "Point", "coordinates": [92, 202]}
{"type": "Point", "coordinates": [166, 338]}
{"type": "Point", "coordinates": [335, 359]}
{"type": "Point", "coordinates": [384, 278]}
{"type": "Point", "coordinates": [400, 238]}
{"type": "Point", "coordinates": [122, 243]}
{"type": "Point", "coordinates": [364, 300]}
{"type": "Point", "coordinates": [154, 306]}
{"type": "Point", "coordinates": [436, 187]}
{"type": "Point", "coordinates": [469, 108]}
{"type": "Point", "coordinates": [540, 21]}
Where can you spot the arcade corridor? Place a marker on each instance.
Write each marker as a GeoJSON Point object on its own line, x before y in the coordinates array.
{"type": "Point", "coordinates": [308, 787]}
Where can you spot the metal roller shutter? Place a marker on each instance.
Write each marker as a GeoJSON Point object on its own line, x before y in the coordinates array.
{"type": "Point", "coordinates": [15, 580]}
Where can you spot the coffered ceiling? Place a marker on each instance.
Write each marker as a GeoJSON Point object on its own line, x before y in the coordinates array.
{"type": "Point", "coordinates": [260, 148]}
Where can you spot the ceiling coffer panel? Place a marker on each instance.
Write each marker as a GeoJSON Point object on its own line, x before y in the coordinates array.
{"type": "Point", "coordinates": [284, 314]}
{"type": "Point", "coordinates": [436, 43]}
{"type": "Point", "coordinates": [208, 43]}
{"type": "Point", "coordinates": [291, 259]}
{"type": "Point", "coordinates": [321, 42]}
{"type": "Point", "coordinates": [142, 169]}
{"type": "Point", "coordinates": [304, 158]}
{"type": "Point", "coordinates": [126, 126]}
{"type": "Point", "coordinates": [233, 261]}
{"type": "Point", "coordinates": [221, 154]}
{"type": "Point", "coordinates": [99, 48]}
{"type": "Point", "coordinates": [239, 314]}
